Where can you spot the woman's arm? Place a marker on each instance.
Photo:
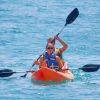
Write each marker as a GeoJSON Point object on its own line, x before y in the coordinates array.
{"type": "Point", "coordinates": [64, 45]}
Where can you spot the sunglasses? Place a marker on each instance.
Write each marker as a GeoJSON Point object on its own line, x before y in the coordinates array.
{"type": "Point", "coordinates": [49, 47]}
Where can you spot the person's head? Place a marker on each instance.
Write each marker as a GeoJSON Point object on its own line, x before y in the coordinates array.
{"type": "Point", "coordinates": [51, 40]}
{"type": "Point", "coordinates": [50, 48]}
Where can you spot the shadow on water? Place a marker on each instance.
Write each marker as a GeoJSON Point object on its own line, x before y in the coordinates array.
{"type": "Point", "coordinates": [45, 83]}
{"type": "Point", "coordinates": [48, 83]}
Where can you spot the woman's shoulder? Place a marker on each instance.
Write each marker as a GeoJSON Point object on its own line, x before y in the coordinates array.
{"type": "Point", "coordinates": [58, 50]}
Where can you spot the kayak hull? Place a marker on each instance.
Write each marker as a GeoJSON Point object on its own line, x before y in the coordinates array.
{"type": "Point", "coordinates": [47, 74]}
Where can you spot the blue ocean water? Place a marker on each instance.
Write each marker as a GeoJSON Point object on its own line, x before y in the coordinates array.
{"type": "Point", "coordinates": [25, 26]}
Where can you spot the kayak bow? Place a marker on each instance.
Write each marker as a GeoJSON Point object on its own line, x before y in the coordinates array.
{"type": "Point", "coordinates": [47, 74]}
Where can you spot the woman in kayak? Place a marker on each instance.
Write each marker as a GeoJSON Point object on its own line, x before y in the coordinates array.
{"type": "Point", "coordinates": [58, 51]}
{"type": "Point", "coordinates": [50, 59]}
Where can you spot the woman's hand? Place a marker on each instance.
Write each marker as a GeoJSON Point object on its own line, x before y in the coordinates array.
{"type": "Point", "coordinates": [56, 37]}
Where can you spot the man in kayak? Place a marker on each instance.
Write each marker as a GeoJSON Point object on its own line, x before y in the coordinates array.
{"type": "Point", "coordinates": [50, 59]}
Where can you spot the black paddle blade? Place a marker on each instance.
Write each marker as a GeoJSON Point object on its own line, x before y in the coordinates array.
{"type": "Point", "coordinates": [72, 16]}
{"type": "Point", "coordinates": [90, 67]}
{"type": "Point", "coordinates": [24, 75]}
{"type": "Point", "coordinates": [6, 73]}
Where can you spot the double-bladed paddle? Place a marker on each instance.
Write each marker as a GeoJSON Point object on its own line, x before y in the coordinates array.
{"type": "Point", "coordinates": [85, 68]}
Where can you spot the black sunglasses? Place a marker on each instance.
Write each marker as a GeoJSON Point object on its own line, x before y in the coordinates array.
{"type": "Point", "coordinates": [49, 47]}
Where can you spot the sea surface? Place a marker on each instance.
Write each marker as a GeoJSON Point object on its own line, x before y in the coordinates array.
{"type": "Point", "coordinates": [25, 26]}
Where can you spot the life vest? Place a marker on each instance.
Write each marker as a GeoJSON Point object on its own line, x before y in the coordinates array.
{"type": "Point", "coordinates": [51, 60]}
{"type": "Point", "coordinates": [57, 52]}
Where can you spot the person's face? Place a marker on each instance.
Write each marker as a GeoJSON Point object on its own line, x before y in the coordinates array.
{"type": "Point", "coordinates": [50, 49]}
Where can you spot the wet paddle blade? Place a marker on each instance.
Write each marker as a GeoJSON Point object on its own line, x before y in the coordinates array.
{"type": "Point", "coordinates": [90, 67]}
{"type": "Point", "coordinates": [6, 73]}
{"type": "Point", "coordinates": [9, 72]}
{"type": "Point", "coordinates": [24, 75]}
{"type": "Point", "coordinates": [72, 16]}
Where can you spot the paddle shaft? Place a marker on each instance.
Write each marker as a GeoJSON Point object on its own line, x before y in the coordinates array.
{"type": "Point", "coordinates": [85, 68]}
{"type": "Point", "coordinates": [70, 18]}
{"type": "Point", "coordinates": [30, 67]}
{"type": "Point", "coordinates": [61, 30]}
{"type": "Point", "coordinates": [16, 72]}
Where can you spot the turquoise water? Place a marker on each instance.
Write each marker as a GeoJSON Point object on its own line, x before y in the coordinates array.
{"type": "Point", "coordinates": [24, 27]}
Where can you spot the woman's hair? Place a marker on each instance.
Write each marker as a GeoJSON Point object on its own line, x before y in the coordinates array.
{"type": "Point", "coordinates": [49, 44]}
{"type": "Point", "coordinates": [51, 40]}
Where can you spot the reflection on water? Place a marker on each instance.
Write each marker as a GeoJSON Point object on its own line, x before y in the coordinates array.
{"type": "Point", "coordinates": [45, 83]}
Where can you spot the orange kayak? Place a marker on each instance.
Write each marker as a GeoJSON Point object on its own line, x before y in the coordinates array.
{"type": "Point", "coordinates": [47, 74]}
